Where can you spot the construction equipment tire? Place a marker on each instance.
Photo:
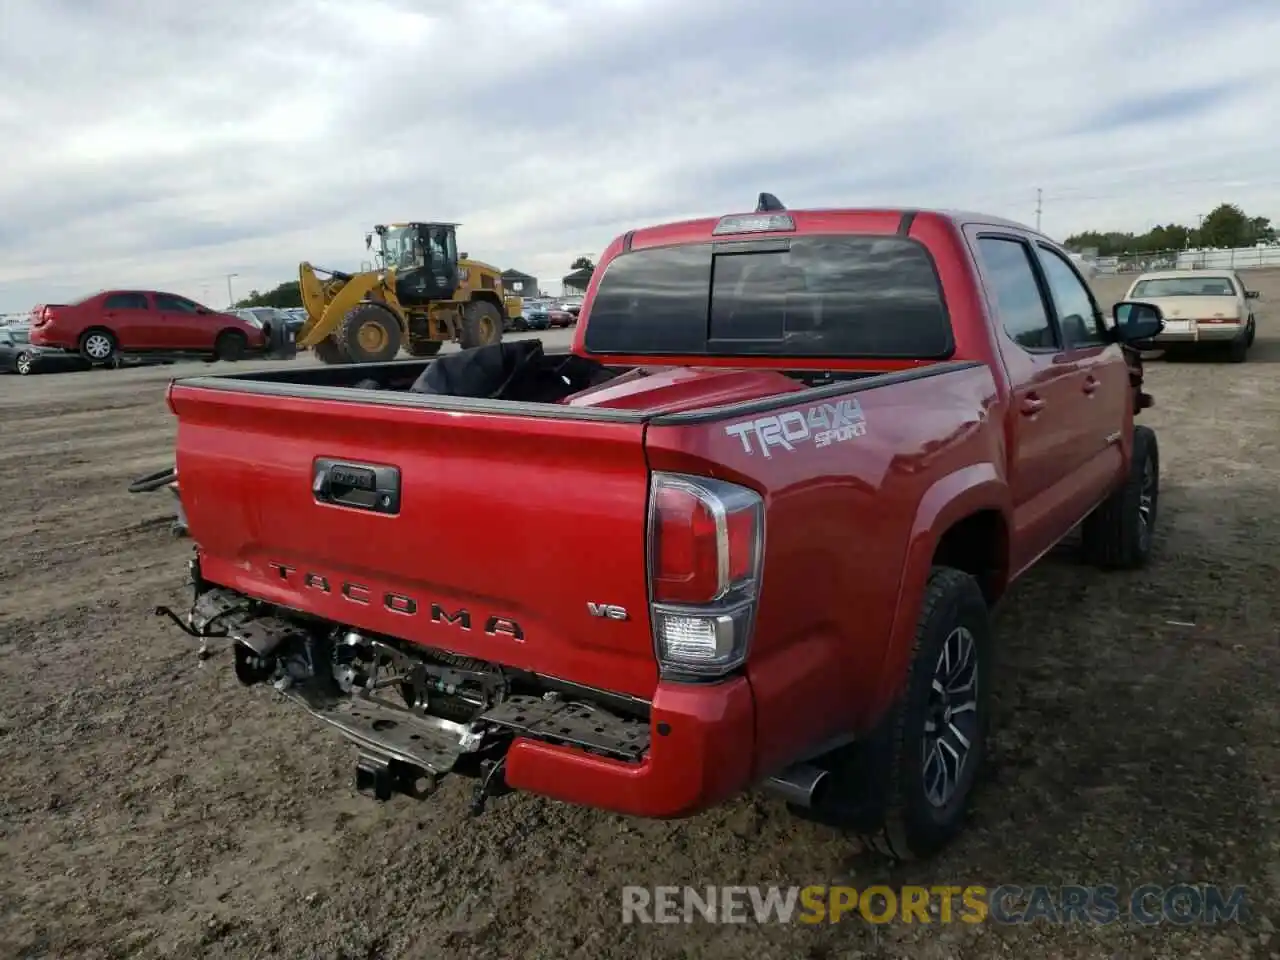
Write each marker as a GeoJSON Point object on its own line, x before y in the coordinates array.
{"type": "Point", "coordinates": [329, 350]}
{"type": "Point", "coordinates": [370, 334]}
{"type": "Point", "coordinates": [481, 325]}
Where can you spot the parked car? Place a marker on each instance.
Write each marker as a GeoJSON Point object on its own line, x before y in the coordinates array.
{"type": "Point", "coordinates": [19, 355]}
{"type": "Point", "coordinates": [558, 316]}
{"type": "Point", "coordinates": [1210, 308]}
{"type": "Point", "coordinates": [794, 502]}
{"type": "Point", "coordinates": [113, 322]}
{"type": "Point", "coordinates": [537, 314]}
{"type": "Point", "coordinates": [262, 316]}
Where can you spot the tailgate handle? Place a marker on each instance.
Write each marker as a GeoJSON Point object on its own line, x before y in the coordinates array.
{"type": "Point", "coordinates": [362, 486]}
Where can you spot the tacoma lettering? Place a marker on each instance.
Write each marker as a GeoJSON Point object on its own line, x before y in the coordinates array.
{"type": "Point", "coordinates": [397, 603]}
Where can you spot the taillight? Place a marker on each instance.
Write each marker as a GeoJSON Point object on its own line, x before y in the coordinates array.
{"type": "Point", "coordinates": [706, 548]}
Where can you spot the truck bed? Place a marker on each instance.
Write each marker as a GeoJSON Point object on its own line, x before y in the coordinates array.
{"type": "Point", "coordinates": [351, 497]}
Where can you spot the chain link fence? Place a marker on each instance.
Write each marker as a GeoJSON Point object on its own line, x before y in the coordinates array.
{"type": "Point", "coordinates": [1242, 258]}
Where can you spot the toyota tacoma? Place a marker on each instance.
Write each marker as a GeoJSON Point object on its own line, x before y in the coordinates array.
{"type": "Point", "coordinates": [746, 533]}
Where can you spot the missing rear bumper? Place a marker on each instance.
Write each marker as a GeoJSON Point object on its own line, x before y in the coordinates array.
{"type": "Point", "coordinates": [415, 715]}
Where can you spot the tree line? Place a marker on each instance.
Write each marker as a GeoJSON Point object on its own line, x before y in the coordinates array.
{"type": "Point", "coordinates": [283, 296]}
{"type": "Point", "coordinates": [1226, 226]}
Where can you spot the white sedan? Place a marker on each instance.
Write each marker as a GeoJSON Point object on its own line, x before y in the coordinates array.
{"type": "Point", "coordinates": [1204, 307]}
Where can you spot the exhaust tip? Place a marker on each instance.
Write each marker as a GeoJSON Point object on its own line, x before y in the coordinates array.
{"type": "Point", "coordinates": [800, 785]}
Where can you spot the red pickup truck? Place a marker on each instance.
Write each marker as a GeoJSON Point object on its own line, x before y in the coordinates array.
{"type": "Point", "coordinates": [745, 533]}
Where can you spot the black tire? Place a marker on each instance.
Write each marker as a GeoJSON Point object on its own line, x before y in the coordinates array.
{"type": "Point", "coordinates": [1119, 534]}
{"type": "Point", "coordinates": [1251, 332]}
{"type": "Point", "coordinates": [231, 346]}
{"type": "Point", "coordinates": [1239, 350]}
{"type": "Point", "coordinates": [423, 348]}
{"type": "Point", "coordinates": [880, 787]}
{"type": "Point", "coordinates": [375, 321]}
{"type": "Point", "coordinates": [481, 325]}
{"type": "Point", "coordinates": [24, 364]}
{"type": "Point", "coordinates": [329, 350]}
{"type": "Point", "coordinates": [91, 341]}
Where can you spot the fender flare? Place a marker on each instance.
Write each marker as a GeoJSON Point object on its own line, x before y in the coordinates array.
{"type": "Point", "coordinates": [969, 490]}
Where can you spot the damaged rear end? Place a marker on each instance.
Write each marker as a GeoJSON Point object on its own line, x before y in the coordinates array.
{"type": "Point", "coordinates": [476, 591]}
{"type": "Point", "coordinates": [414, 713]}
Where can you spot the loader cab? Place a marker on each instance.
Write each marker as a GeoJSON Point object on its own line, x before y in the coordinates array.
{"type": "Point", "coordinates": [425, 257]}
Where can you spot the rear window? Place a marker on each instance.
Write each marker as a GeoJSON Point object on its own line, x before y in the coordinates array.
{"type": "Point", "coordinates": [812, 296]}
{"type": "Point", "coordinates": [1184, 287]}
{"type": "Point", "coordinates": [125, 301]}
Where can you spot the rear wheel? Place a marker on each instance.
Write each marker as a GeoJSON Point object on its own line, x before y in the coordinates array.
{"type": "Point", "coordinates": [24, 364]}
{"type": "Point", "coordinates": [231, 346]}
{"type": "Point", "coordinates": [905, 789]}
{"type": "Point", "coordinates": [370, 334]}
{"type": "Point", "coordinates": [98, 345]}
{"type": "Point", "coordinates": [329, 350]}
{"type": "Point", "coordinates": [481, 325]}
{"type": "Point", "coordinates": [424, 348]}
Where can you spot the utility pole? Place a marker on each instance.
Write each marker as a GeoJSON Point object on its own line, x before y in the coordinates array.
{"type": "Point", "coordinates": [231, 301]}
{"type": "Point", "coordinates": [1039, 207]}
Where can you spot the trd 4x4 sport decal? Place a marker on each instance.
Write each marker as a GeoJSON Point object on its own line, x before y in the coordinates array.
{"type": "Point", "coordinates": [822, 425]}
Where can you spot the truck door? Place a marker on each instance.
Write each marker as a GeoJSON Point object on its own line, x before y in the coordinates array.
{"type": "Point", "coordinates": [1103, 379]}
{"type": "Point", "coordinates": [1043, 440]}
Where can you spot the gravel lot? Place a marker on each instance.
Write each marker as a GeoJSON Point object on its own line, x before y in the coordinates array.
{"type": "Point", "coordinates": [152, 807]}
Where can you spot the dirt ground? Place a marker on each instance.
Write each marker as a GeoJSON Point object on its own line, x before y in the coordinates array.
{"type": "Point", "coordinates": [152, 807]}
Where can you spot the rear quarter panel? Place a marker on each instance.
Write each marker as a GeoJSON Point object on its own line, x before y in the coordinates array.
{"type": "Point", "coordinates": [846, 523]}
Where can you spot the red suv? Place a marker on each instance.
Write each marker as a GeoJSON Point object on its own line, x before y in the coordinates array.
{"type": "Point", "coordinates": [144, 321]}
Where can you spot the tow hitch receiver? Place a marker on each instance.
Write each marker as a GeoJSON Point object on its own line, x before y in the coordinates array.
{"type": "Point", "coordinates": [381, 777]}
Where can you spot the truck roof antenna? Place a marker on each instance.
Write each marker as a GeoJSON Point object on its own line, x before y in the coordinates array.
{"type": "Point", "coordinates": [768, 203]}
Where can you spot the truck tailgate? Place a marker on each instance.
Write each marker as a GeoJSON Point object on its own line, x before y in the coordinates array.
{"type": "Point", "coordinates": [507, 530]}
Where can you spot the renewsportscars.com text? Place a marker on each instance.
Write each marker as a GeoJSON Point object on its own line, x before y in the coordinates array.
{"type": "Point", "coordinates": [1148, 904]}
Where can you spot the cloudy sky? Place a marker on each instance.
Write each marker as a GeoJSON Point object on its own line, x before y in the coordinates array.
{"type": "Point", "coordinates": [167, 144]}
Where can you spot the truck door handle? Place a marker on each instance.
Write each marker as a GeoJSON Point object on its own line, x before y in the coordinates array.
{"type": "Point", "coordinates": [1090, 384]}
{"type": "Point", "coordinates": [1031, 405]}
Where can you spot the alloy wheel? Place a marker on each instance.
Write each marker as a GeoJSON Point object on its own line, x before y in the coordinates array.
{"type": "Point", "coordinates": [951, 721]}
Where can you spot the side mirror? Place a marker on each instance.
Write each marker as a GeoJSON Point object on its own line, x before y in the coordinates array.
{"type": "Point", "coordinates": [202, 310]}
{"type": "Point", "coordinates": [1137, 320]}
{"type": "Point", "coordinates": [1253, 294]}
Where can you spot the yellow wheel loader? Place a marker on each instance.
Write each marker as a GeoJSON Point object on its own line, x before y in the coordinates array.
{"type": "Point", "coordinates": [422, 295]}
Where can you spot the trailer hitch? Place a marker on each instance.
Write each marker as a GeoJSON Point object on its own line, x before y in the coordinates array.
{"type": "Point", "coordinates": [382, 777]}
